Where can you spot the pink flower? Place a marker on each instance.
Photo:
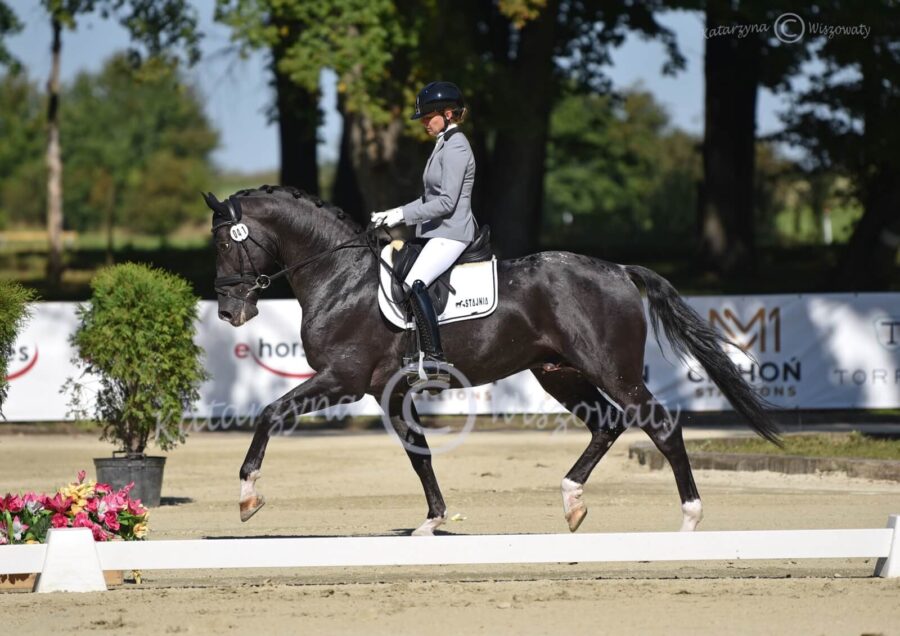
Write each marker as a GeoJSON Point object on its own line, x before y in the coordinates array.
{"type": "Point", "coordinates": [135, 507]}
{"type": "Point", "coordinates": [59, 521]}
{"type": "Point", "coordinates": [99, 533]}
{"type": "Point", "coordinates": [81, 475]}
{"type": "Point", "coordinates": [102, 489]}
{"type": "Point", "coordinates": [17, 530]}
{"type": "Point", "coordinates": [115, 502]}
{"type": "Point", "coordinates": [14, 503]}
{"type": "Point", "coordinates": [33, 504]}
{"type": "Point", "coordinates": [127, 489]}
{"type": "Point", "coordinates": [57, 503]}
{"type": "Point", "coordinates": [92, 505]}
{"type": "Point", "coordinates": [111, 519]}
{"type": "Point", "coordinates": [82, 521]}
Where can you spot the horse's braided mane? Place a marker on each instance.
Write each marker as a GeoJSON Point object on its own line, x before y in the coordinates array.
{"type": "Point", "coordinates": [295, 193]}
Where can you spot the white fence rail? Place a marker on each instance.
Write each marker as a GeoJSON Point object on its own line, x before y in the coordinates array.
{"type": "Point", "coordinates": [71, 561]}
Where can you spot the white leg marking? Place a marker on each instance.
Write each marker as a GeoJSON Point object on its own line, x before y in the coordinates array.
{"type": "Point", "coordinates": [427, 529]}
{"type": "Point", "coordinates": [693, 513]}
{"type": "Point", "coordinates": [573, 503]}
{"type": "Point", "coordinates": [250, 500]}
{"type": "Point", "coordinates": [248, 486]}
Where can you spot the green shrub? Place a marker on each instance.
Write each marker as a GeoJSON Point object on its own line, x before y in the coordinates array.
{"type": "Point", "coordinates": [14, 312]}
{"type": "Point", "coordinates": [135, 340]}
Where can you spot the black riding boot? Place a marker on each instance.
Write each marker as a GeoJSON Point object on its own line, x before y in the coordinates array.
{"type": "Point", "coordinates": [431, 365]}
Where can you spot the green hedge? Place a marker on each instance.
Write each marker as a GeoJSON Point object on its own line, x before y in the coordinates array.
{"type": "Point", "coordinates": [14, 312]}
{"type": "Point", "coordinates": [135, 338]}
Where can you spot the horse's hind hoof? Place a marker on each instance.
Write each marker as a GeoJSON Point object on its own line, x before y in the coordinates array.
{"type": "Point", "coordinates": [575, 516]}
{"type": "Point", "coordinates": [427, 529]}
{"type": "Point", "coordinates": [251, 506]}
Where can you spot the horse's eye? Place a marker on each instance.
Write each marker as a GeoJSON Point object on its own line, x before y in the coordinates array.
{"type": "Point", "coordinates": [223, 245]}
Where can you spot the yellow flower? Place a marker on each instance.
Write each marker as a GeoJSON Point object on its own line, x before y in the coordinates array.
{"type": "Point", "coordinates": [140, 530]}
{"type": "Point", "coordinates": [77, 491]}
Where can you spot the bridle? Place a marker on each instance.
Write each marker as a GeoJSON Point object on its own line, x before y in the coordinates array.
{"type": "Point", "coordinates": [240, 234]}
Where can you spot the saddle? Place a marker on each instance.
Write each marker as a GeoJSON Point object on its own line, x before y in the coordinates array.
{"type": "Point", "coordinates": [439, 291]}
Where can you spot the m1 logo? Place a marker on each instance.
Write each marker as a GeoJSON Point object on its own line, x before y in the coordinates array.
{"type": "Point", "coordinates": [275, 357]}
{"type": "Point", "coordinates": [22, 361]}
{"type": "Point", "coordinates": [762, 330]}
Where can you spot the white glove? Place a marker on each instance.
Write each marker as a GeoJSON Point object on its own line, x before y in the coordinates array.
{"type": "Point", "coordinates": [390, 218]}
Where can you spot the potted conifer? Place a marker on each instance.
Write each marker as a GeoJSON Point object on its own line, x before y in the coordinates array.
{"type": "Point", "coordinates": [140, 370]}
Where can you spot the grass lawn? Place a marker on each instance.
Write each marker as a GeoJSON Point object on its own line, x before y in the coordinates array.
{"type": "Point", "coordinates": [853, 444]}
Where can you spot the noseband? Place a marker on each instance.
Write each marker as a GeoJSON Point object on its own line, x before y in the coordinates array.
{"type": "Point", "coordinates": [240, 235]}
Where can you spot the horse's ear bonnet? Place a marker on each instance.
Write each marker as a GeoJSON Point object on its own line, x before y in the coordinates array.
{"type": "Point", "coordinates": [226, 212]}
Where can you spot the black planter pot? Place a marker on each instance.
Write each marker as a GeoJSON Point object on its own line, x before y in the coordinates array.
{"type": "Point", "coordinates": [145, 472]}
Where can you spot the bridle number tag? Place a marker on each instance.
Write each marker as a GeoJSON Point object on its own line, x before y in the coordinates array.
{"type": "Point", "coordinates": [239, 232]}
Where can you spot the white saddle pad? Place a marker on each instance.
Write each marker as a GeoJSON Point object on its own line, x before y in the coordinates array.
{"type": "Point", "coordinates": [475, 297]}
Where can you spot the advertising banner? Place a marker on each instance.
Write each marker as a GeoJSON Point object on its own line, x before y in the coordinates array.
{"type": "Point", "coordinates": [810, 351]}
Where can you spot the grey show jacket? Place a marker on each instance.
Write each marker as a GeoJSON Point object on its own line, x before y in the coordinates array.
{"type": "Point", "coordinates": [445, 209]}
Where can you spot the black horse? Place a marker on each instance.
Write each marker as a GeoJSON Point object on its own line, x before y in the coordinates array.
{"type": "Point", "coordinates": [576, 322]}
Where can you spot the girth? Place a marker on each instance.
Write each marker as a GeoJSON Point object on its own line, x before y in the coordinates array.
{"type": "Point", "coordinates": [439, 291]}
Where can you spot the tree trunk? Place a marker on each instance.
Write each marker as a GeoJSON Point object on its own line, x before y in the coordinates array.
{"type": "Point", "coordinates": [345, 192]}
{"type": "Point", "coordinates": [870, 255]}
{"type": "Point", "coordinates": [380, 167]}
{"type": "Point", "coordinates": [514, 194]}
{"type": "Point", "coordinates": [726, 215]}
{"type": "Point", "coordinates": [298, 124]}
{"type": "Point", "coordinates": [54, 165]}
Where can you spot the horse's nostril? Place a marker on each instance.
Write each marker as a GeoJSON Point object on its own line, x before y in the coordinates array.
{"type": "Point", "coordinates": [225, 315]}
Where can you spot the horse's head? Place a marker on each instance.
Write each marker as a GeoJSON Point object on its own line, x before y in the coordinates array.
{"type": "Point", "coordinates": [244, 254]}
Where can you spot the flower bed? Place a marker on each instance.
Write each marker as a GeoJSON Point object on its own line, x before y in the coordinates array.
{"type": "Point", "coordinates": [111, 515]}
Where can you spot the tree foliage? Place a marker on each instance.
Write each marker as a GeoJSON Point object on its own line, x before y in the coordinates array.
{"type": "Point", "coordinates": [617, 173]}
{"type": "Point", "coordinates": [137, 148]}
{"type": "Point", "coordinates": [9, 24]}
{"type": "Point", "coordinates": [136, 338]}
{"type": "Point", "coordinates": [161, 29]}
{"type": "Point", "coordinates": [846, 119]}
{"type": "Point", "coordinates": [22, 171]}
{"type": "Point", "coordinates": [125, 128]}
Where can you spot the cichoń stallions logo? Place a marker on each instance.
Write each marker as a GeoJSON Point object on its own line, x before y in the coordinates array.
{"type": "Point", "coordinates": [284, 359]}
{"type": "Point", "coordinates": [767, 367]}
{"type": "Point", "coordinates": [22, 360]}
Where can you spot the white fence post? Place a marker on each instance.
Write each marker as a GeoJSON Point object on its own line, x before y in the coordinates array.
{"type": "Point", "coordinates": [889, 566]}
{"type": "Point", "coordinates": [71, 564]}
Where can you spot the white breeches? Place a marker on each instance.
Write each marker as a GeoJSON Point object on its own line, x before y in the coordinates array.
{"type": "Point", "coordinates": [436, 257]}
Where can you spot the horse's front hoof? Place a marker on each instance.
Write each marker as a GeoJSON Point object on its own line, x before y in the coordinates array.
{"type": "Point", "coordinates": [574, 507]}
{"type": "Point", "coordinates": [575, 516]}
{"type": "Point", "coordinates": [693, 514]}
{"type": "Point", "coordinates": [250, 506]}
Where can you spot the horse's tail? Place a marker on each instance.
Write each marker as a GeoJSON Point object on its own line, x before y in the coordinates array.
{"type": "Point", "coordinates": [689, 333]}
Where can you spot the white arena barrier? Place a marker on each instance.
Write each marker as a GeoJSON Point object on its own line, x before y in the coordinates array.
{"type": "Point", "coordinates": [66, 563]}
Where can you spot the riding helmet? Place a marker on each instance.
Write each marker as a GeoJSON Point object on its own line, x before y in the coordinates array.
{"type": "Point", "coordinates": [438, 96]}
